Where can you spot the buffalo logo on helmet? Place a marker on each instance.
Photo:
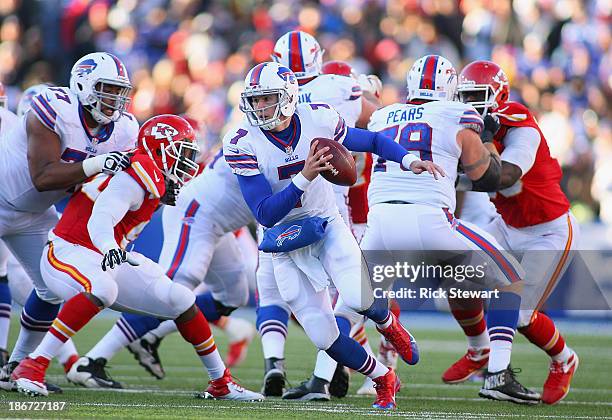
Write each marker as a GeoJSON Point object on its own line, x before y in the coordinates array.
{"type": "Point", "coordinates": [86, 66]}
{"type": "Point", "coordinates": [290, 234]}
{"type": "Point", "coordinates": [286, 74]}
{"type": "Point", "coordinates": [163, 131]}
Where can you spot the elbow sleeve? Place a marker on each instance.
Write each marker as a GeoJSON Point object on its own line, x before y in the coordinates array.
{"type": "Point", "coordinates": [491, 179]}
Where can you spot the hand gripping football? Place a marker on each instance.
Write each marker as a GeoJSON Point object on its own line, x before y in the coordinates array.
{"type": "Point", "coordinates": [343, 170]}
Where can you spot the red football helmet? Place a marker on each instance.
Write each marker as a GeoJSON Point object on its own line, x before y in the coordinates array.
{"type": "Point", "coordinates": [170, 141]}
{"type": "Point", "coordinates": [484, 85]}
{"type": "Point", "coordinates": [338, 67]}
{"type": "Point", "coordinates": [3, 98]}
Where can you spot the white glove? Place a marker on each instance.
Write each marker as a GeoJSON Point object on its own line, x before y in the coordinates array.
{"type": "Point", "coordinates": [108, 163]}
{"type": "Point", "coordinates": [370, 83]}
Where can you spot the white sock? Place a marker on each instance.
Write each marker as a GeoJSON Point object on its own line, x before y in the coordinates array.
{"type": "Point", "coordinates": [26, 343]}
{"type": "Point", "coordinates": [110, 344]}
{"type": "Point", "coordinates": [5, 324]}
{"type": "Point", "coordinates": [163, 329]}
{"type": "Point", "coordinates": [479, 342]}
{"type": "Point", "coordinates": [273, 344]}
{"type": "Point", "coordinates": [499, 357]}
{"type": "Point", "coordinates": [387, 322]}
{"type": "Point", "coordinates": [49, 347]}
{"type": "Point", "coordinates": [325, 366]}
{"type": "Point", "coordinates": [67, 350]}
{"type": "Point", "coordinates": [214, 364]}
{"type": "Point", "coordinates": [564, 355]}
{"type": "Point", "coordinates": [379, 370]}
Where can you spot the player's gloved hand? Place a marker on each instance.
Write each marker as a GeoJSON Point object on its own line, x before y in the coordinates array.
{"type": "Point", "coordinates": [491, 127]}
{"type": "Point", "coordinates": [108, 163]}
{"type": "Point", "coordinates": [420, 166]}
{"type": "Point", "coordinates": [370, 83]}
{"type": "Point", "coordinates": [114, 257]}
{"type": "Point", "coordinates": [171, 194]}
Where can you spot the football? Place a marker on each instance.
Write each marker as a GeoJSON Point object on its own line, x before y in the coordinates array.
{"type": "Point", "coordinates": [343, 170]}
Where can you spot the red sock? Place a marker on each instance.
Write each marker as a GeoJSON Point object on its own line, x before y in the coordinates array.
{"type": "Point", "coordinates": [73, 316]}
{"type": "Point", "coordinates": [469, 314]}
{"type": "Point", "coordinates": [543, 333]}
{"type": "Point", "coordinates": [395, 308]}
{"type": "Point", "coordinates": [197, 332]}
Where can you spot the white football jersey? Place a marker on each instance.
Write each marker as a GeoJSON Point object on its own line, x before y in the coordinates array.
{"type": "Point", "coordinates": [8, 121]}
{"type": "Point", "coordinates": [217, 191]}
{"type": "Point", "coordinates": [430, 132]}
{"type": "Point", "coordinates": [341, 92]}
{"type": "Point", "coordinates": [344, 94]}
{"type": "Point", "coordinates": [251, 151]}
{"type": "Point", "coordinates": [58, 109]}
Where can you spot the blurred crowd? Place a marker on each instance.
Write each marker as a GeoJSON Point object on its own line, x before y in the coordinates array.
{"type": "Point", "coordinates": [191, 56]}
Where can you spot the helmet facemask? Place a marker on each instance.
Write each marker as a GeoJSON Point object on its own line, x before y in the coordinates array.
{"type": "Point", "coordinates": [182, 154]}
{"type": "Point", "coordinates": [102, 98]}
{"type": "Point", "coordinates": [257, 116]}
{"type": "Point", "coordinates": [480, 96]}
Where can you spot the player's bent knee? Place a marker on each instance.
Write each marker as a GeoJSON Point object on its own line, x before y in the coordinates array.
{"type": "Point", "coordinates": [320, 328]}
{"type": "Point", "coordinates": [180, 298]}
{"type": "Point", "coordinates": [106, 292]}
{"type": "Point", "coordinates": [47, 296]}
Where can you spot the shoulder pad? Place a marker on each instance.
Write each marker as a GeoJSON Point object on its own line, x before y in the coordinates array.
{"type": "Point", "coordinates": [515, 114]}
{"type": "Point", "coordinates": [144, 171]}
{"type": "Point", "coordinates": [53, 103]}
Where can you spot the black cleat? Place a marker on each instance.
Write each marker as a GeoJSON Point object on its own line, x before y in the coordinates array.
{"type": "Point", "coordinates": [314, 389]}
{"type": "Point", "coordinates": [6, 383]}
{"type": "Point", "coordinates": [339, 384]}
{"type": "Point", "coordinates": [274, 378]}
{"type": "Point", "coordinates": [91, 374]}
{"type": "Point", "coordinates": [145, 352]}
{"type": "Point", "coordinates": [503, 386]}
{"type": "Point", "coordinates": [4, 357]}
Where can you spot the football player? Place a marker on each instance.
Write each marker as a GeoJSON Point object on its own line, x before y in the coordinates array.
{"type": "Point", "coordinates": [302, 54]}
{"type": "Point", "coordinates": [277, 169]}
{"type": "Point", "coordinates": [439, 129]}
{"type": "Point", "coordinates": [68, 135]}
{"type": "Point", "coordinates": [534, 215]}
{"type": "Point", "coordinates": [199, 246]}
{"type": "Point", "coordinates": [86, 264]}
{"type": "Point", "coordinates": [7, 120]}
{"type": "Point", "coordinates": [20, 285]}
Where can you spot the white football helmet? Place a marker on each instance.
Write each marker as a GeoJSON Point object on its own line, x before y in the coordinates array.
{"type": "Point", "coordinates": [26, 97]}
{"type": "Point", "coordinates": [432, 78]}
{"type": "Point", "coordinates": [300, 52]}
{"type": "Point", "coordinates": [269, 79]}
{"type": "Point", "coordinates": [90, 78]}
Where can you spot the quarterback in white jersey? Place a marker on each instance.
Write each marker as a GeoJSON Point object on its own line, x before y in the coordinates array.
{"type": "Point", "coordinates": [302, 54]}
{"type": "Point", "coordinates": [448, 133]}
{"type": "Point", "coordinates": [68, 135]}
{"type": "Point", "coordinates": [277, 166]}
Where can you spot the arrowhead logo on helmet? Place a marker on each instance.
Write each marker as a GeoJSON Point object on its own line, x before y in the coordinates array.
{"type": "Point", "coordinates": [163, 131]}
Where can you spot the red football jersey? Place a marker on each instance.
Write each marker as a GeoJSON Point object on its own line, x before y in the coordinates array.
{"type": "Point", "coordinates": [537, 197]}
{"type": "Point", "coordinates": [73, 224]}
{"type": "Point", "coordinates": [358, 193]}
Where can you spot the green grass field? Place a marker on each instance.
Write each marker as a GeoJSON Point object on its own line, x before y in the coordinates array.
{"type": "Point", "coordinates": [422, 396]}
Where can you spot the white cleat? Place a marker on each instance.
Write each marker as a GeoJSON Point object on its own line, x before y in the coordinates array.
{"type": "Point", "coordinates": [31, 388]}
{"type": "Point", "coordinates": [225, 388]}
